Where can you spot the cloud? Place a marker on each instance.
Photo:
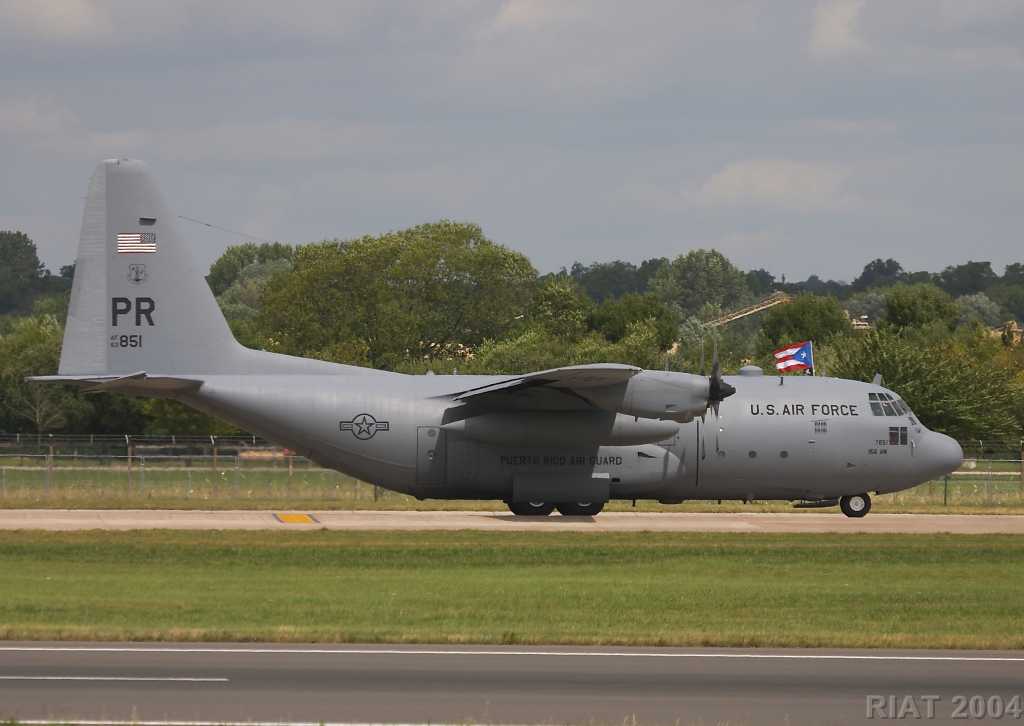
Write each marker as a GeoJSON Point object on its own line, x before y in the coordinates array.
{"type": "Point", "coordinates": [777, 184]}
{"type": "Point", "coordinates": [122, 25]}
{"type": "Point", "coordinates": [65, 20]}
{"type": "Point", "coordinates": [281, 140]}
{"type": "Point", "coordinates": [567, 128]}
{"type": "Point", "coordinates": [835, 31]}
{"type": "Point", "coordinates": [32, 118]}
{"type": "Point", "coordinates": [515, 14]}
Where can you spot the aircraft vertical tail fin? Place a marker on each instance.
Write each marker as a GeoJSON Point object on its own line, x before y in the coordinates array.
{"type": "Point", "coordinates": [139, 302]}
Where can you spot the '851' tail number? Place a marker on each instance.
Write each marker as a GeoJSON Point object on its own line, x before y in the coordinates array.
{"type": "Point", "coordinates": [133, 340]}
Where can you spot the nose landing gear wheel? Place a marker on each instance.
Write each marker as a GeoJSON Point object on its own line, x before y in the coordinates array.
{"type": "Point", "coordinates": [530, 509]}
{"type": "Point", "coordinates": [580, 509]}
{"type": "Point", "coordinates": [855, 505]}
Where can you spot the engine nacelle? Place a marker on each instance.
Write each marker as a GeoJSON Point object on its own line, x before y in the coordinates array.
{"type": "Point", "coordinates": [656, 394]}
{"type": "Point", "coordinates": [562, 429]}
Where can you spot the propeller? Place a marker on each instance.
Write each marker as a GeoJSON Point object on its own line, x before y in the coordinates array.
{"type": "Point", "coordinates": [718, 389]}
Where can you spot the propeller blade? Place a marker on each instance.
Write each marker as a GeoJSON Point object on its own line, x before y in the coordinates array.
{"type": "Point", "coordinates": [718, 389]}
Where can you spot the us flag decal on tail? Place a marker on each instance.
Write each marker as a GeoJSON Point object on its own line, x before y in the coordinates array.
{"type": "Point", "coordinates": [136, 242]}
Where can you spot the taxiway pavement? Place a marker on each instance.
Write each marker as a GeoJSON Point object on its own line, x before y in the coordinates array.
{"type": "Point", "coordinates": [127, 519]}
{"type": "Point", "coordinates": [467, 684]}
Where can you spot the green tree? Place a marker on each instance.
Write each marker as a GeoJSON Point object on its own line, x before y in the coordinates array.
{"type": "Point", "coordinates": [419, 293]}
{"type": "Point", "coordinates": [1010, 295]}
{"type": "Point", "coordinates": [979, 309]}
{"type": "Point", "coordinates": [1014, 274]}
{"type": "Point", "coordinates": [817, 286]}
{"type": "Point", "coordinates": [964, 388]}
{"type": "Point", "coordinates": [242, 301]}
{"type": "Point", "coordinates": [916, 306]}
{"type": "Point", "coordinates": [699, 278]}
{"type": "Point", "coordinates": [532, 349]}
{"type": "Point", "coordinates": [870, 303]}
{"type": "Point", "coordinates": [808, 317]}
{"type": "Point", "coordinates": [760, 282]}
{"type": "Point", "coordinates": [606, 280]}
{"type": "Point", "coordinates": [647, 271]}
{"type": "Point", "coordinates": [537, 349]}
{"type": "Point", "coordinates": [878, 273]}
{"type": "Point", "coordinates": [967, 279]}
{"type": "Point", "coordinates": [613, 318]}
{"type": "Point", "coordinates": [560, 308]}
{"type": "Point", "coordinates": [229, 266]}
{"type": "Point", "coordinates": [20, 271]}
{"type": "Point", "coordinates": [921, 276]}
{"type": "Point", "coordinates": [32, 347]}
{"type": "Point", "coordinates": [164, 417]}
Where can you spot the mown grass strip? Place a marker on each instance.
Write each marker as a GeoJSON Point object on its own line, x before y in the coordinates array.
{"type": "Point", "coordinates": [925, 591]}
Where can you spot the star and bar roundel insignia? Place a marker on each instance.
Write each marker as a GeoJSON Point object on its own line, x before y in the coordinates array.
{"type": "Point", "coordinates": [364, 426]}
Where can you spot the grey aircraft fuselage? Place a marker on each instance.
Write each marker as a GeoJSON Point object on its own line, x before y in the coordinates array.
{"type": "Point", "coordinates": [143, 321]}
{"type": "Point", "coordinates": [792, 437]}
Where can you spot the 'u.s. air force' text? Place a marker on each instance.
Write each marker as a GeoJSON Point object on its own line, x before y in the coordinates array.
{"type": "Point", "coordinates": [804, 409]}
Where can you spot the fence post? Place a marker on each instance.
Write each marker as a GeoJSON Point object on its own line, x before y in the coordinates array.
{"type": "Point", "coordinates": [237, 484]}
{"type": "Point", "coordinates": [945, 490]}
{"type": "Point", "coordinates": [128, 443]}
{"type": "Point", "coordinates": [49, 465]}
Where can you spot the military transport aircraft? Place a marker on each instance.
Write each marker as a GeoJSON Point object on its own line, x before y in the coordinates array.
{"type": "Point", "coordinates": [143, 321]}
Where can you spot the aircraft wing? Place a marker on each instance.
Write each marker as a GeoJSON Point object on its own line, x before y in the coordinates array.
{"type": "Point", "coordinates": [121, 383]}
{"type": "Point", "coordinates": [571, 380]}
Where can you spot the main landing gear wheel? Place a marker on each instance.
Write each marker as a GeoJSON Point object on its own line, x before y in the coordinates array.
{"type": "Point", "coordinates": [855, 505]}
{"type": "Point", "coordinates": [580, 509]}
{"type": "Point", "coordinates": [530, 509]}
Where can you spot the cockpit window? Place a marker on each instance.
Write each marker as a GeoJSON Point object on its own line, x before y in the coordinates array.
{"type": "Point", "coordinates": [885, 404]}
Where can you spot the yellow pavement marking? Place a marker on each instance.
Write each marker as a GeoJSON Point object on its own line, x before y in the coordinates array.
{"type": "Point", "coordinates": [295, 518]}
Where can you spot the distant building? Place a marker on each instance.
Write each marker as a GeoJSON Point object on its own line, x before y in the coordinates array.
{"type": "Point", "coordinates": [859, 323]}
{"type": "Point", "coordinates": [1010, 332]}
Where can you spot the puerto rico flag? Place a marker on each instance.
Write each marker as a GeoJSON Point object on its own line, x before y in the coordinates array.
{"type": "Point", "coordinates": [795, 357]}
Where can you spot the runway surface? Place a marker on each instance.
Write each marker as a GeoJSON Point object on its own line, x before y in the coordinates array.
{"type": "Point", "coordinates": [126, 519]}
{"type": "Point", "coordinates": [465, 684]}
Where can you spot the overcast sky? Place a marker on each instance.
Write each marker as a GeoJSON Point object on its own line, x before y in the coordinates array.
{"type": "Point", "coordinates": [800, 137]}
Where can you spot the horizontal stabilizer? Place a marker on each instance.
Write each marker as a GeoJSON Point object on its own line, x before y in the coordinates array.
{"type": "Point", "coordinates": [140, 382]}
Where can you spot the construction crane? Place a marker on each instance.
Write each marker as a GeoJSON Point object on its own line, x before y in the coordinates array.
{"type": "Point", "coordinates": [776, 298]}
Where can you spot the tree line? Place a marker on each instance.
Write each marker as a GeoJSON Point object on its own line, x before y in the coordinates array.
{"type": "Point", "coordinates": [442, 297]}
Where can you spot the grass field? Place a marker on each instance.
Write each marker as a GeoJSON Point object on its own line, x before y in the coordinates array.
{"type": "Point", "coordinates": [656, 589]}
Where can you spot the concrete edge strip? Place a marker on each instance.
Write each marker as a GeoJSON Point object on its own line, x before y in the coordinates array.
{"type": "Point", "coordinates": [156, 679]}
{"type": "Point", "coordinates": [520, 653]}
{"type": "Point", "coordinates": [109, 722]}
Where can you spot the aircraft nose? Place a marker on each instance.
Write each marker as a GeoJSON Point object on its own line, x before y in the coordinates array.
{"type": "Point", "coordinates": [940, 454]}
